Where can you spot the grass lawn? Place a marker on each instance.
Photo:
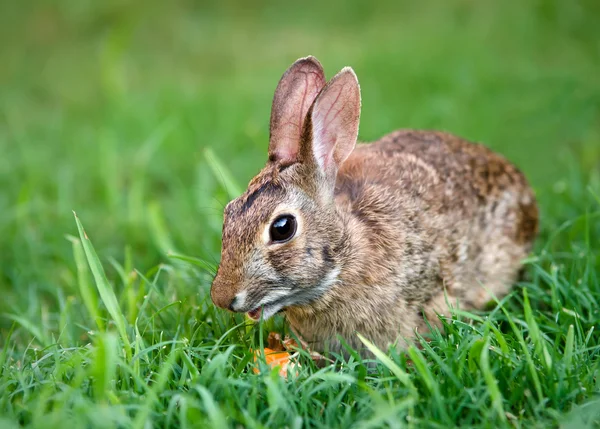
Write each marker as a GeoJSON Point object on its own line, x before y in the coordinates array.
{"type": "Point", "coordinates": [146, 118]}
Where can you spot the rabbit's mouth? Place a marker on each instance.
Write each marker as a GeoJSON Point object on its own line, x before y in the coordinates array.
{"type": "Point", "coordinates": [255, 314]}
{"type": "Point", "coordinates": [265, 311]}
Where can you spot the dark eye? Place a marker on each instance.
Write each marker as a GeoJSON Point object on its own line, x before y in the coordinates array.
{"type": "Point", "coordinates": [283, 228]}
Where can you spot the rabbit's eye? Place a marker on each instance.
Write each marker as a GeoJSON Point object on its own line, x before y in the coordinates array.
{"type": "Point", "coordinates": [283, 228]}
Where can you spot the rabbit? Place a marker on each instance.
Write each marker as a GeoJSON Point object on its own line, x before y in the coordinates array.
{"type": "Point", "coordinates": [347, 238]}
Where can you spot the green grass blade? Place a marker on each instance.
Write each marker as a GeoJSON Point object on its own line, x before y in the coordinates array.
{"type": "Point", "coordinates": [89, 297]}
{"type": "Point", "coordinates": [500, 338]}
{"type": "Point", "coordinates": [535, 335]}
{"type": "Point", "coordinates": [216, 416]}
{"type": "Point", "coordinates": [104, 365]}
{"type": "Point", "coordinates": [431, 384]}
{"type": "Point", "coordinates": [491, 382]}
{"type": "Point", "coordinates": [104, 287]}
{"type": "Point", "coordinates": [29, 326]}
{"type": "Point", "coordinates": [166, 370]}
{"type": "Point", "coordinates": [206, 266]}
{"type": "Point", "coordinates": [5, 347]}
{"type": "Point", "coordinates": [400, 374]}
{"type": "Point", "coordinates": [158, 228]}
{"type": "Point", "coordinates": [222, 174]}
{"type": "Point", "coordinates": [568, 356]}
{"type": "Point", "coordinates": [528, 358]}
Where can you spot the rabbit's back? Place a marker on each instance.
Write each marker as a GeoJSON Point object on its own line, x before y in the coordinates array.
{"type": "Point", "coordinates": [457, 215]}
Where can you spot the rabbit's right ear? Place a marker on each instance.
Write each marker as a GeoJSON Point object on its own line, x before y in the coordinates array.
{"type": "Point", "coordinates": [295, 93]}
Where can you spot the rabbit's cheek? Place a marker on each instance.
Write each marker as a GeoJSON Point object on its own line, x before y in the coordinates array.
{"type": "Point", "coordinates": [322, 286]}
{"type": "Point", "coordinates": [293, 265]}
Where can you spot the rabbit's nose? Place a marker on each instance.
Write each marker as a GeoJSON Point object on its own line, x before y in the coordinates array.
{"type": "Point", "coordinates": [223, 295]}
{"type": "Point", "coordinates": [223, 300]}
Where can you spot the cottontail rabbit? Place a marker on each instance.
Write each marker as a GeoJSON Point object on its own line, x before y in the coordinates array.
{"type": "Point", "coordinates": [367, 239]}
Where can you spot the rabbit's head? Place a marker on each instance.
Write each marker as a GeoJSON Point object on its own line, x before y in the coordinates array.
{"type": "Point", "coordinates": [282, 239]}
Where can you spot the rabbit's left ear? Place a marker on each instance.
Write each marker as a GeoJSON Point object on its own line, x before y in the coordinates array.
{"type": "Point", "coordinates": [295, 93]}
{"type": "Point", "coordinates": [334, 119]}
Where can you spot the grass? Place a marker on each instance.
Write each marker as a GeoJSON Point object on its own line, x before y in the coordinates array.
{"type": "Point", "coordinates": [146, 118]}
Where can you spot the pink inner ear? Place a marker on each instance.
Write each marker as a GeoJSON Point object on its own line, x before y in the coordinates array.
{"type": "Point", "coordinates": [294, 95]}
{"type": "Point", "coordinates": [335, 120]}
{"type": "Point", "coordinates": [288, 147]}
{"type": "Point", "coordinates": [313, 83]}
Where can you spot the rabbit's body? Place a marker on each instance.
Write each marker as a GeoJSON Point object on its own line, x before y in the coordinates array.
{"type": "Point", "coordinates": [431, 220]}
{"type": "Point", "coordinates": [347, 239]}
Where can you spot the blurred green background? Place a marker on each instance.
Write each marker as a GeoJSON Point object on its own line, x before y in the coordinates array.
{"type": "Point", "coordinates": [106, 108]}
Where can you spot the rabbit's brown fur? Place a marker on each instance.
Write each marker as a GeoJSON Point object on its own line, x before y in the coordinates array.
{"type": "Point", "coordinates": [412, 223]}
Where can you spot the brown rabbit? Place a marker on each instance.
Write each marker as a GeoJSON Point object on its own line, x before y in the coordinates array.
{"type": "Point", "coordinates": [366, 239]}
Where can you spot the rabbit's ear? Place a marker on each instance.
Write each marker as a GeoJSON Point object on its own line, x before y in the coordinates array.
{"type": "Point", "coordinates": [295, 93]}
{"type": "Point", "coordinates": [334, 119]}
